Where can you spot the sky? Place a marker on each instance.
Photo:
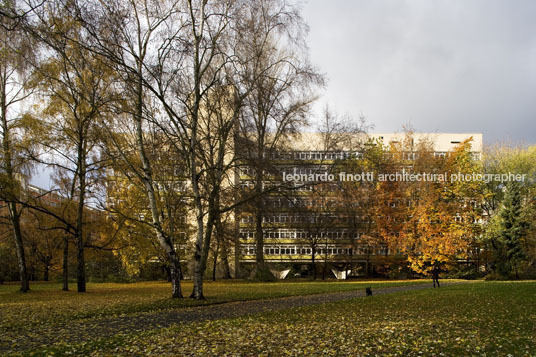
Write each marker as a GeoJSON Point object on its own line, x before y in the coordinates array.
{"type": "Point", "coordinates": [434, 65]}
{"type": "Point", "coordinates": [459, 66]}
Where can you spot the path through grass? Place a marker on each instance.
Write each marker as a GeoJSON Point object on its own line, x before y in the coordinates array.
{"type": "Point", "coordinates": [47, 308]}
{"type": "Point", "coordinates": [480, 318]}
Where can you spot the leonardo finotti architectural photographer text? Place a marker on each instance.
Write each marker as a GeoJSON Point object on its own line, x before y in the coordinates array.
{"type": "Point", "coordinates": [403, 176]}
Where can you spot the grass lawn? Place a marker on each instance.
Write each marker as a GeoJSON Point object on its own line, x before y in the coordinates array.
{"type": "Point", "coordinates": [46, 304]}
{"type": "Point", "coordinates": [477, 318]}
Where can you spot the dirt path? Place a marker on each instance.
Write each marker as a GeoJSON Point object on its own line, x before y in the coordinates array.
{"type": "Point", "coordinates": [78, 331]}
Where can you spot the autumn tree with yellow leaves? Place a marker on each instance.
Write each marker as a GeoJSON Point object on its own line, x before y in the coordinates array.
{"type": "Point", "coordinates": [432, 222]}
{"type": "Point", "coordinates": [77, 88]}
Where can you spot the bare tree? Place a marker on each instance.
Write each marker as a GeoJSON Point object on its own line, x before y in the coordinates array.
{"type": "Point", "coordinates": [127, 34]}
{"type": "Point", "coordinates": [168, 68]}
{"type": "Point", "coordinates": [282, 89]}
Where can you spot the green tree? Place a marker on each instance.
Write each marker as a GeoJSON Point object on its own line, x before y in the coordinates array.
{"type": "Point", "coordinates": [507, 159]}
{"type": "Point", "coordinates": [512, 230]}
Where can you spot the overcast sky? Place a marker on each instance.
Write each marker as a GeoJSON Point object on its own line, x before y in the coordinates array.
{"type": "Point", "coordinates": [437, 65]}
{"type": "Point", "coordinates": [440, 66]}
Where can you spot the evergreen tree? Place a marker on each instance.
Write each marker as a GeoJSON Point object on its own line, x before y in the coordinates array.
{"type": "Point", "coordinates": [512, 230]}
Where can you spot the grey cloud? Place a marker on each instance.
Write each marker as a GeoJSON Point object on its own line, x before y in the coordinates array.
{"type": "Point", "coordinates": [447, 66]}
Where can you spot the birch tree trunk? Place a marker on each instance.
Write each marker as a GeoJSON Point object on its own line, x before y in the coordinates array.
{"type": "Point", "coordinates": [11, 183]}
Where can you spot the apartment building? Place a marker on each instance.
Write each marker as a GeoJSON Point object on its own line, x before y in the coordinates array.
{"type": "Point", "coordinates": [306, 224]}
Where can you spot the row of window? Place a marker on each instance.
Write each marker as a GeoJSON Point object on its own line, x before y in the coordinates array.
{"type": "Point", "coordinates": [474, 155]}
{"type": "Point", "coordinates": [307, 219]}
{"type": "Point", "coordinates": [326, 202]}
{"type": "Point", "coordinates": [304, 218]}
{"type": "Point", "coordinates": [334, 219]}
{"type": "Point", "coordinates": [314, 155]}
{"type": "Point", "coordinates": [341, 155]}
{"type": "Point", "coordinates": [300, 170]}
{"type": "Point", "coordinates": [249, 184]}
{"type": "Point", "coordinates": [329, 202]}
{"type": "Point", "coordinates": [319, 251]}
{"type": "Point", "coordinates": [301, 234]}
{"type": "Point", "coordinates": [298, 186]}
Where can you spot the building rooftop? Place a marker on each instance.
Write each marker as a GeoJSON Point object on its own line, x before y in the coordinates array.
{"type": "Point", "coordinates": [443, 142]}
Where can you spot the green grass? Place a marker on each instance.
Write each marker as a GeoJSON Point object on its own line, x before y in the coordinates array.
{"type": "Point", "coordinates": [478, 318]}
{"type": "Point", "coordinates": [47, 304]}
